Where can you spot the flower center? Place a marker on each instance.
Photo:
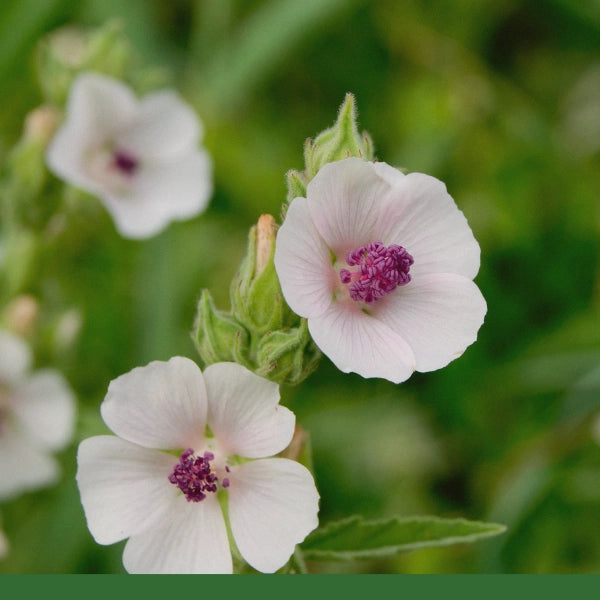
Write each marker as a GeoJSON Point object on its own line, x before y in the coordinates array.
{"type": "Point", "coordinates": [380, 270]}
{"type": "Point", "coordinates": [124, 162]}
{"type": "Point", "coordinates": [195, 477]}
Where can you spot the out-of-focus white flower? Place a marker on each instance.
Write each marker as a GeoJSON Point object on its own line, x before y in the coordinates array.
{"type": "Point", "coordinates": [37, 417]}
{"type": "Point", "coordinates": [169, 504]}
{"type": "Point", "coordinates": [381, 264]}
{"type": "Point", "coordinates": [140, 157]}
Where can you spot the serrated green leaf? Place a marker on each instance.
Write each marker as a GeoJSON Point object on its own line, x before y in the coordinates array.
{"type": "Point", "coordinates": [356, 538]}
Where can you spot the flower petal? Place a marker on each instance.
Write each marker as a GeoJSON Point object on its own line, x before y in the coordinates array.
{"type": "Point", "coordinates": [388, 173]}
{"type": "Point", "coordinates": [45, 407]}
{"type": "Point", "coordinates": [422, 217]}
{"type": "Point", "coordinates": [244, 412]}
{"type": "Point", "coordinates": [161, 405]}
{"type": "Point", "coordinates": [344, 200]}
{"type": "Point", "coordinates": [273, 505]}
{"type": "Point", "coordinates": [356, 342]}
{"type": "Point", "coordinates": [98, 108]}
{"type": "Point", "coordinates": [191, 539]}
{"type": "Point", "coordinates": [23, 466]}
{"type": "Point", "coordinates": [124, 488]}
{"type": "Point", "coordinates": [439, 315]}
{"type": "Point", "coordinates": [165, 128]}
{"type": "Point", "coordinates": [16, 358]}
{"type": "Point", "coordinates": [303, 263]}
{"type": "Point", "coordinates": [161, 193]}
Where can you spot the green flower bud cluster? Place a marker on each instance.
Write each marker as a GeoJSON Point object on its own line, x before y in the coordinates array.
{"type": "Point", "coordinates": [260, 331]}
{"type": "Point", "coordinates": [340, 141]}
{"type": "Point", "coordinates": [29, 197]}
{"type": "Point", "coordinates": [65, 53]}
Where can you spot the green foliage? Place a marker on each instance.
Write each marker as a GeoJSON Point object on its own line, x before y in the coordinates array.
{"type": "Point", "coordinates": [357, 539]}
{"type": "Point", "coordinates": [497, 99]}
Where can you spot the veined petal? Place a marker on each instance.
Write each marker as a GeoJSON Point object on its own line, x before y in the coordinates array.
{"type": "Point", "coordinates": [344, 200]}
{"type": "Point", "coordinates": [16, 358]}
{"type": "Point", "coordinates": [303, 263]}
{"type": "Point", "coordinates": [439, 315]}
{"type": "Point", "coordinates": [100, 106]}
{"type": "Point", "coordinates": [161, 405]}
{"type": "Point", "coordinates": [124, 488]}
{"type": "Point", "coordinates": [23, 466]}
{"type": "Point", "coordinates": [357, 342]}
{"type": "Point", "coordinates": [388, 173]}
{"type": "Point", "coordinates": [422, 217]}
{"type": "Point", "coordinates": [97, 109]}
{"type": "Point", "coordinates": [182, 188]}
{"type": "Point", "coordinates": [161, 193]}
{"type": "Point", "coordinates": [244, 412]}
{"type": "Point", "coordinates": [273, 505]}
{"type": "Point", "coordinates": [191, 539]}
{"type": "Point", "coordinates": [165, 128]}
{"type": "Point", "coordinates": [45, 407]}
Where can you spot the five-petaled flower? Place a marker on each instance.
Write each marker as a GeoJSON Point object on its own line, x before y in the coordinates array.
{"type": "Point", "coordinates": [381, 264]}
{"type": "Point", "coordinates": [189, 442]}
{"type": "Point", "coordinates": [140, 157]}
{"type": "Point", "coordinates": [37, 417]}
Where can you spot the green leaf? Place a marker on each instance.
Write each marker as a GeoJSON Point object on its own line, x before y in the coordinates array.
{"type": "Point", "coordinates": [245, 58]}
{"type": "Point", "coordinates": [356, 538]}
{"type": "Point", "coordinates": [583, 398]}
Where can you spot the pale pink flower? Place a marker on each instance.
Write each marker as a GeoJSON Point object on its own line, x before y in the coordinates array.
{"type": "Point", "coordinates": [168, 502]}
{"type": "Point", "coordinates": [381, 264]}
{"type": "Point", "coordinates": [37, 418]}
{"type": "Point", "coordinates": [140, 157]}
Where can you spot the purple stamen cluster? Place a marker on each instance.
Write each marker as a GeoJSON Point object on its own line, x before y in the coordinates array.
{"type": "Point", "coordinates": [125, 163]}
{"type": "Point", "coordinates": [380, 270]}
{"type": "Point", "coordinates": [193, 475]}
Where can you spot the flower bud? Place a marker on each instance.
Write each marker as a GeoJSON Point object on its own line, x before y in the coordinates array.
{"type": "Point", "coordinates": [217, 335]}
{"type": "Point", "coordinates": [68, 51]}
{"type": "Point", "coordinates": [296, 184]}
{"type": "Point", "coordinates": [40, 124]}
{"type": "Point", "coordinates": [340, 141]}
{"type": "Point", "coordinates": [256, 298]}
{"type": "Point", "coordinates": [26, 173]}
{"type": "Point", "coordinates": [261, 332]}
{"type": "Point", "coordinates": [300, 448]}
{"type": "Point", "coordinates": [21, 314]}
{"type": "Point", "coordinates": [287, 355]}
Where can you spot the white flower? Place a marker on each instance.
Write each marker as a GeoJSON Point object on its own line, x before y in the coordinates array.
{"type": "Point", "coordinates": [37, 416]}
{"type": "Point", "coordinates": [140, 157]}
{"type": "Point", "coordinates": [381, 264]}
{"type": "Point", "coordinates": [167, 504]}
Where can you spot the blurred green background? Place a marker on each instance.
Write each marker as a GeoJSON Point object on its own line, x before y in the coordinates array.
{"type": "Point", "coordinates": [501, 100]}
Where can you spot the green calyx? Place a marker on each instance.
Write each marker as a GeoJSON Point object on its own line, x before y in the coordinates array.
{"type": "Point", "coordinates": [340, 141]}
{"type": "Point", "coordinates": [260, 331]}
{"type": "Point", "coordinates": [287, 355]}
{"type": "Point", "coordinates": [218, 336]}
{"type": "Point", "coordinates": [256, 297]}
